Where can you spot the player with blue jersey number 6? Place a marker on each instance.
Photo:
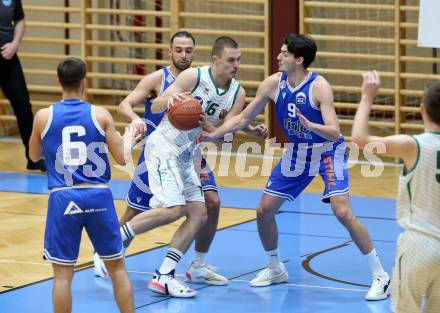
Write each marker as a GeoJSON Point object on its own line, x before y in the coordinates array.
{"type": "Point", "coordinates": [73, 136]}
{"type": "Point", "coordinates": [305, 110]}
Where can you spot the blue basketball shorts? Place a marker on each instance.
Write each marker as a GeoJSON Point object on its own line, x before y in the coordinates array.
{"type": "Point", "coordinates": [139, 194]}
{"type": "Point", "coordinates": [297, 169]}
{"type": "Point", "coordinates": [71, 210]}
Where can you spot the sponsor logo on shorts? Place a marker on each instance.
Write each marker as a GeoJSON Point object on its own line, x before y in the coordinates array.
{"type": "Point", "coordinates": [330, 172]}
{"type": "Point", "coordinates": [73, 208]}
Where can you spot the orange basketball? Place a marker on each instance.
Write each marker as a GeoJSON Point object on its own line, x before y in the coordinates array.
{"type": "Point", "coordinates": [185, 114]}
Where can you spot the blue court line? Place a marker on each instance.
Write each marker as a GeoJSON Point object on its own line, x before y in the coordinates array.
{"type": "Point", "coordinates": [230, 197]}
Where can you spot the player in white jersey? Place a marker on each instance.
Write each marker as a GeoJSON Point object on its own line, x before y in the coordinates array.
{"type": "Point", "coordinates": [182, 50]}
{"type": "Point", "coordinates": [169, 153]}
{"type": "Point", "coordinates": [416, 275]}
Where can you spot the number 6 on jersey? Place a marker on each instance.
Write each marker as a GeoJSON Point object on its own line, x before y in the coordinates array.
{"type": "Point", "coordinates": [74, 152]}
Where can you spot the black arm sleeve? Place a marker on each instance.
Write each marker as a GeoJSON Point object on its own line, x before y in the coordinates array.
{"type": "Point", "coordinates": [18, 12]}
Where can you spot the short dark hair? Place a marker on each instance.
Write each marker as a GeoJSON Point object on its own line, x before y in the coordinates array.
{"type": "Point", "coordinates": [182, 34]}
{"type": "Point", "coordinates": [301, 45]}
{"type": "Point", "coordinates": [431, 100]}
{"type": "Point", "coordinates": [220, 43]}
{"type": "Point", "coordinates": [71, 72]}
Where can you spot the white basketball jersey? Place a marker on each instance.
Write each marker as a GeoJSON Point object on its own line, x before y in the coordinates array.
{"type": "Point", "coordinates": [216, 103]}
{"type": "Point", "coordinates": [418, 206]}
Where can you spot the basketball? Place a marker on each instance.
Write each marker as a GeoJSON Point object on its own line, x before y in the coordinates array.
{"type": "Point", "coordinates": [185, 114]}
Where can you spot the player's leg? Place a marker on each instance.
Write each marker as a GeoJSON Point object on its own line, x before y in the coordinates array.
{"type": "Point", "coordinates": [121, 285]}
{"type": "Point", "coordinates": [342, 210]}
{"type": "Point", "coordinates": [286, 182]}
{"type": "Point", "coordinates": [170, 196]}
{"type": "Point", "coordinates": [164, 281]}
{"type": "Point", "coordinates": [432, 303]}
{"type": "Point", "coordinates": [100, 269]}
{"type": "Point", "coordinates": [150, 219]}
{"type": "Point", "coordinates": [15, 89]}
{"type": "Point", "coordinates": [199, 271]}
{"type": "Point", "coordinates": [278, 189]}
{"type": "Point", "coordinates": [103, 230]}
{"type": "Point", "coordinates": [379, 289]}
{"type": "Point", "coordinates": [206, 234]}
{"type": "Point", "coordinates": [406, 296]}
{"type": "Point", "coordinates": [166, 185]}
{"type": "Point", "coordinates": [62, 250]}
{"type": "Point", "coordinates": [268, 232]}
{"type": "Point", "coordinates": [416, 275]}
{"type": "Point", "coordinates": [61, 292]}
{"type": "Point", "coordinates": [196, 217]}
{"type": "Point", "coordinates": [128, 214]}
{"type": "Point", "coordinates": [138, 200]}
{"type": "Point", "coordinates": [333, 170]}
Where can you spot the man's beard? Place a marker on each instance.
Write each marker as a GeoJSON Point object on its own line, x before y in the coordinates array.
{"type": "Point", "coordinates": [181, 67]}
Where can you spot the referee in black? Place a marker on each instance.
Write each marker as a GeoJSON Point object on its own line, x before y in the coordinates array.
{"type": "Point", "coordinates": [12, 80]}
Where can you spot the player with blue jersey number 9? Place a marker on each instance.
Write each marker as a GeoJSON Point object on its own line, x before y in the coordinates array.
{"type": "Point", "coordinates": [304, 108]}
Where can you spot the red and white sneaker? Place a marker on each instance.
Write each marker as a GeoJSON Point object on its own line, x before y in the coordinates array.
{"type": "Point", "coordinates": [166, 284]}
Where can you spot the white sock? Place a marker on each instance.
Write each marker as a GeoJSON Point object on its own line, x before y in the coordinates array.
{"type": "Point", "coordinates": [171, 259]}
{"type": "Point", "coordinates": [200, 257]}
{"type": "Point", "coordinates": [375, 265]}
{"type": "Point", "coordinates": [127, 233]}
{"type": "Point", "coordinates": [274, 260]}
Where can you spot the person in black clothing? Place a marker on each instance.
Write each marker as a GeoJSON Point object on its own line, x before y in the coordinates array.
{"type": "Point", "coordinates": [12, 79]}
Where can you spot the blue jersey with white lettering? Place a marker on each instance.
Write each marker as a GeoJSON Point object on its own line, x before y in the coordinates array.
{"type": "Point", "coordinates": [74, 145]}
{"type": "Point", "coordinates": [153, 119]}
{"type": "Point", "coordinates": [286, 102]}
{"type": "Point", "coordinates": [308, 153]}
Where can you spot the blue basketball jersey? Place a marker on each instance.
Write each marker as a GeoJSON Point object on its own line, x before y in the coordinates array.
{"type": "Point", "coordinates": [74, 145]}
{"type": "Point", "coordinates": [286, 102]}
{"type": "Point", "coordinates": [308, 153]}
{"type": "Point", "coordinates": [153, 119]}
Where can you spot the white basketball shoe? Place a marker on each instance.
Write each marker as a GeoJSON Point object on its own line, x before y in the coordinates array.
{"type": "Point", "coordinates": [380, 288]}
{"type": "Point", "coordinates": [205, 274]}
{"type": "Point", "coordinates": [269, 276]}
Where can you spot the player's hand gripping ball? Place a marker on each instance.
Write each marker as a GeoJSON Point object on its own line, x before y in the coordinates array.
{"type": "Point", "coordinates": [184, 114]}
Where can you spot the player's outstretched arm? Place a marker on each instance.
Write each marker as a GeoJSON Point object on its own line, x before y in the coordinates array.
{"type": "Point", "coordinates": [258, 131]}
{"type": "Point", "coordinates": [401, 146]}
{"type": "Point", "coordinates": [266, 91]}
{"type": "Point", "coordinates": [185, 82]}
{"type": "Point", "coordinates": [40, 121]}
{"type": "Point", "coordinates": [146, 87]}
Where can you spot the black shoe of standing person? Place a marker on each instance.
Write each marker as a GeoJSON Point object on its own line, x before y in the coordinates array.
{"type": "Point", "coordinates": [35, 166]}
